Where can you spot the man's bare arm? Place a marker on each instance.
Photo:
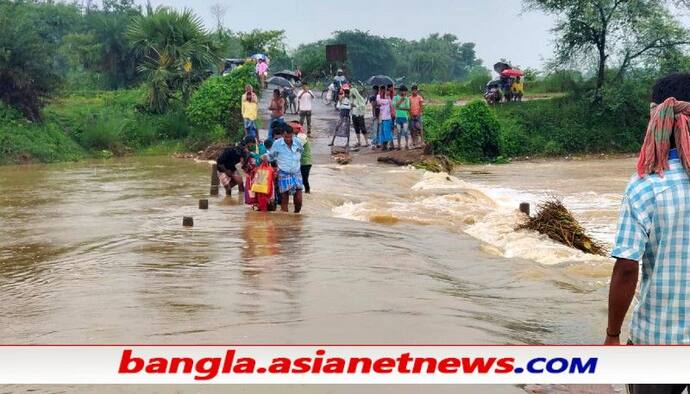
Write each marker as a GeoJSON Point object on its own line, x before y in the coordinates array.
{"type": "Point", "coordinates": [621, 293]}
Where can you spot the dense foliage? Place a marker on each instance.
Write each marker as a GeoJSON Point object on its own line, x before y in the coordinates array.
{"type": "Point", "coordinates": [468, 133]}
{"type": "Point", "coordinates": [603, 32]}
{"type": "Point", "coordinates": [570, 124]}
{"type": "Point", "coordinates": [433, 58]}
{"type": "Point", "coordinates": [177, 53]}
{"type": "Point", "coordinates": [217, 102]}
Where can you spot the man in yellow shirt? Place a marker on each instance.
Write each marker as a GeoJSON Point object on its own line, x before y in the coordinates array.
{"type": "Point", "coordinates": [517, 89]}
{"type": "Point", "coordinates": [250, 108]}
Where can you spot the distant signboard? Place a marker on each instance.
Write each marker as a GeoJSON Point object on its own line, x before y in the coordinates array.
{"type": "Point", "coordinates": [336, 53]}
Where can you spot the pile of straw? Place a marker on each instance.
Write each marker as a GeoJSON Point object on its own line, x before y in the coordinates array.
{"type": "Point", "coordinates": [342, 158]}
{"type": "Point", "coordinates": [557, 222]}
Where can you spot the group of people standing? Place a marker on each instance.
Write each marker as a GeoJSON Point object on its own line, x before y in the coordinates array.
{"type": "Point", "coordinates": [279, 166]}
{"type": "Point", "coordinates": [513, 88]}
{"type": "Point", "coordinates": [396, 115]}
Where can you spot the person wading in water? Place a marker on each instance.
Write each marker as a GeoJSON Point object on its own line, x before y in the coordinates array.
{"type": "Point", "coordinates": [287, 152]}
{"type": "Point", "coordinates": [226, 165]}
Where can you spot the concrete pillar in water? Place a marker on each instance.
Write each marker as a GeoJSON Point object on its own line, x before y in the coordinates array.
{"type": "Point", "coordinates": [524, 208]}
{"type": "Point", "coordinates": [188, 221]}
{"type": "Point", "coordinates": [214, 175]}
{"type": "Point", "coordinates": [214, 190]}
{"type": "Point", "coordinates": [203, 204]}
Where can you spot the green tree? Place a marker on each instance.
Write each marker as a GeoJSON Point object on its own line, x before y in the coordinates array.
{"type": "Point", "coordinates": [269, 42]}
{"type": "Point", "coordinates": [117, 60]}
{"type": "Point", "coordinates": [28, 73]}
{"type": "Point", "coordinates": [176, 53]}
{"type": "Point", "coordinates": [620, 31]}
{"type": "Point", "coordinates": [312, 60]}
{"type": "Point", "coordinates": [367, 54]}
{"type": "Point", "coordinates": [470, 133]}
{"type": "Point", "coordinates": [435, 58]}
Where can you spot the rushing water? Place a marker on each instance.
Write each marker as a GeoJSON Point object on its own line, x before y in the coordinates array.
{"type": "Point", "coordinates": [95, 252]}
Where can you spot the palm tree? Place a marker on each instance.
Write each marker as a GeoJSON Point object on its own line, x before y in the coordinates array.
{"type": "Point", "coordinates": [176, 52]}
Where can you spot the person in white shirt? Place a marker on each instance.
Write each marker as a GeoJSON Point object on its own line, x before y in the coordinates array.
{"type": "Point", "coordinates": [304, 103]}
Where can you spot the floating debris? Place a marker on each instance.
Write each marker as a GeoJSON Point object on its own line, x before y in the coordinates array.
{"type": "Point", "coordinates": [554, 220]}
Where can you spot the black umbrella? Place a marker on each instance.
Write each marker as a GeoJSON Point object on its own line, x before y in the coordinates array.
{"type": "Point", "coordinates": [380, 80]}
{"type": "Point", "coordinates": [279, 81]}
{"type": "Point", "coordinates": [495, 82]}
{"type": "Point", "coordinates": [287, 74]}
{"type": "Point", "coordinates": [501, 66]}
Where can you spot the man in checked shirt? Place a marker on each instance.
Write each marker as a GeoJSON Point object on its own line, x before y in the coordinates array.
{"type": "Point", "coordinates": [654, 232]}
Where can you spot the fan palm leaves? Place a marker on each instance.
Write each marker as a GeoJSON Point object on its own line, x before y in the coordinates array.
{"type": "Point", "coordinates": [175, 51]}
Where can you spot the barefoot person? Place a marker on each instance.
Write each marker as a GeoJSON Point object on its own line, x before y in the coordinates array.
{"type": "Point", "coordinates": [277, 108]}
{"type": "Point", "coordinates": [250, 108]}
{"type": "Point", "coordinates": [287, 152]}
{"type": "Point", "coordinates": [416, 112]}
{"type": "Point", "coordinates": [402, 110]}
{"type": "Point", "coordinates": [342, 129]}
{"type": "Point", "coordinates": [654, 232]}
{"type": "Point", "coordinates": [359, 105]}
{"type": "Point", "coordinates": [227, 163]}
{"type": "Point", "coordinates": [375, 121]}
{"type": "Point", "coordinates": [385, 106]}
{"type": "Point", "coordinates": [262, 72]}
{"type": "Point", "coordinates": [304, 105]}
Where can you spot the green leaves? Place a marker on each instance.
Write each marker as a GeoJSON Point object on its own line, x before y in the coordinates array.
{"type": "Point", "coordinates": [217, 102]}
{"type": "Point", "coordinates": [176, 51]}
{"type": "Point", "coordinates": [469, 133]}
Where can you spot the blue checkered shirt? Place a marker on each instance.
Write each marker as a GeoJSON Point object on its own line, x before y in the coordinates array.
{"type": "Point", "coordinates": [654, 228]}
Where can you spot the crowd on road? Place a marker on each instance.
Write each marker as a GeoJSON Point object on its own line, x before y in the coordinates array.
{"type": "Point", "coordinates": [395, 115]}
{"type": "Point", "coordinates": [278, 167]}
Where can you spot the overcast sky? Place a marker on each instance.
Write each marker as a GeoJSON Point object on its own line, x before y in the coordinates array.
{"type": "Point", "coordinates": [500, 28]}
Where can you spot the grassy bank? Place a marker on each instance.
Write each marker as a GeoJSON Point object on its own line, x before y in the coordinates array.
{"type": "Point", "coordinates": [559, 126]}
{"type": "Point", "coordinates": [115, 123]}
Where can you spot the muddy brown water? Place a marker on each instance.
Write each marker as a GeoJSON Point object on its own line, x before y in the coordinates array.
{"type": "Point", "coordinates": [94, 252]}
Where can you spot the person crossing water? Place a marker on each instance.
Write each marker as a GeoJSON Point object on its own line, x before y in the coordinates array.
{"type": "Point", "coordinates": [287, 152]}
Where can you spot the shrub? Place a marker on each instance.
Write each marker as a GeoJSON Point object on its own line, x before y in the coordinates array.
{"type": "Point", "coordinates": [217, 102]}
{"type": "Point", "coordinates": [471, 134]}
{"type": "Point", "coordinates": [22, 141]}
{"type": "Point", "coordinates": [103, 130]}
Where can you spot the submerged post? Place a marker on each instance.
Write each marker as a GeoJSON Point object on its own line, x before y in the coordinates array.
{"type": "Point", "coordinates": [214, 175]}
{"type": "Point", "coordinates": [524, 208]}
{"type": "Point", "coordinates": [214, 190]}
{"type": "Point", "coordinates": [188, 221]}
{"type": "Point", "coordinates": [203, 204]}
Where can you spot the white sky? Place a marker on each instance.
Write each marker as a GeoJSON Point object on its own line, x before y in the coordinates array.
{"type": "Point", "coordinates": [498, 27]}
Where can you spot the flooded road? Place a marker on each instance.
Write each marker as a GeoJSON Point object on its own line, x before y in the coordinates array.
{"type": "Point", "coordinates": [95, 252]}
